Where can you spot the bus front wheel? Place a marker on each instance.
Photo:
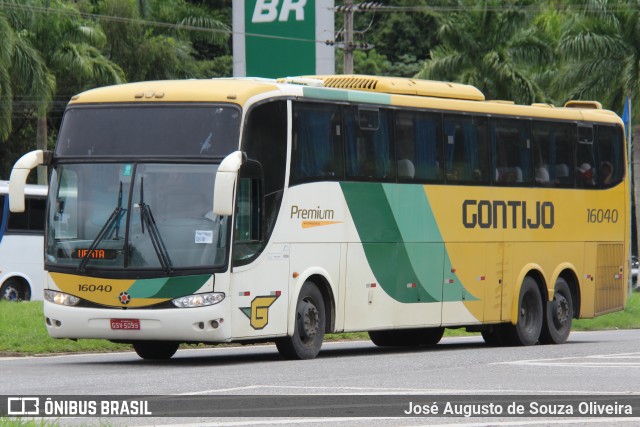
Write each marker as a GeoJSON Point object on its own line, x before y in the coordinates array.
{"type": "Point", "coordinates": [309, 326]}
{"type": "Point", "coordinates": [530, 315]}
{"type": "Point", "coordinates": [156, 350]}
{"type": "Point", "coordinates": [558, 315]}
{"type": "Point", "coordinates": [12, 290]}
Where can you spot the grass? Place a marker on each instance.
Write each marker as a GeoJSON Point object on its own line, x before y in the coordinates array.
{"type": "Point", "coordinates": [23, 333]}
{"type": "Point", "coordinates": [19, 422]}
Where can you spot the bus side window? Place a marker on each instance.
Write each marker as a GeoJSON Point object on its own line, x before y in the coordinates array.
{"type": "Point", "coordinates": [31, 221]}
{"type": "Point", "coordinates": [418, 147]}
{"type": "Point", "coordinates": [466, 150]}
{"type": "Point", "coordinates": [317, 152]}
{"type": "Point", "coordinates": [3, 208]}
{"type": "Point", "coordinates": [370, 154]}
{"type": "Point", "coordinates": [553, 154]}
{"type": "Point", "coordinates": [512, 161]}
{"type": "Point", "coordinates": [611, 155]}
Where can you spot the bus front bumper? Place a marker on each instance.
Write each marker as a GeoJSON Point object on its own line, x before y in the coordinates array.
{"type": "Point", "coordinates": [202, 324]}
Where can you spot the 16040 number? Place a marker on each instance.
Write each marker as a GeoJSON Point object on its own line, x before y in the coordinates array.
{"type": "Point", "coordinates": [95, 288]}
{"type": "Point", "coordinates": [599, 216]}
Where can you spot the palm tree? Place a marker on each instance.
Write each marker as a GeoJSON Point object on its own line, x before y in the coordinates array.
{"type": "Point", "coordinates": [491, 45]}
{"type": "Point", "coordinates": [601, 45]}
{"type": "Point", "coordinates": [149, 51]}
{"type": "Point", "coordinates": [70, 46]}
{"type": "Point", "coordinates": [23, 72]}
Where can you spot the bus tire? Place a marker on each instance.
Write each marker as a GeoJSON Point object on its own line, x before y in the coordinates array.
{"type": "Point", "coordinates": [156, 350]}
{"type": "Point", "coordinates": [309, 327]}
{"type": "Point", "coordinates": [12, 290]}
{"type": "Point", "coordinates": [558, 315]}
{"type": "Point", "coordinates": [406, 337]}
{"type": "Point", "coordinates": [530, 316]}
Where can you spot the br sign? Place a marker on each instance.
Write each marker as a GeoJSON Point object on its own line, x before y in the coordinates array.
{"type": "Point", "coordinates": [279, 38]}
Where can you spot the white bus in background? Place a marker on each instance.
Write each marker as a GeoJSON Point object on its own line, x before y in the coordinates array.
{"type": "Point", "coordinates": [21, 245]}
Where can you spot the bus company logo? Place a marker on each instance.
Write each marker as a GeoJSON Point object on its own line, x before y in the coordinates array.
{"type": "Point", "coordinates": [258, 313]}
{"type": "Point", "coordinates": [23, 406]}
{"type": "Point", "coordinates": [313, 217]}
{"type": "Point", "coordinates": [124, 297]}
{"type": "Point", "coordinates": [507, 214]}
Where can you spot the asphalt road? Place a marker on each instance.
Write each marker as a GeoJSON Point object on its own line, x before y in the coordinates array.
{"type": "Point", "coordinates": [591, 363]}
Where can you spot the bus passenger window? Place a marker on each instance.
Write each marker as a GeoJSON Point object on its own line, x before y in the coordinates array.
{"type": "Point", "coordinates": [466, 151]}
{"type": "Point", "coordinates": [369, 148]}
{"type": "Point", "coordinates": [316, 152]}
{"type": "Point", "coordinates": [553, 154]}
{"type": "Point", "coordinates": [511, 140]}
{"type": "Point", "coordinates": [30, 221]}
{"type": "Point", "coordinates": [418, 147]}
{"type": "Point", "coordinates": [611, 155]}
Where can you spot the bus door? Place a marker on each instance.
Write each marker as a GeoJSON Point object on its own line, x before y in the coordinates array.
{"type": "Point", "coordinates": [260, 271]}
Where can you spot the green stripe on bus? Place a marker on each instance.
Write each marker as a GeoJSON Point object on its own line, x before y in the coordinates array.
{"type": "Point", "coordinates": [346, 95]}
{"type": "Point", "coordinates": [402, 241]}
{"type": "Point", "coordinates": [168, 287]}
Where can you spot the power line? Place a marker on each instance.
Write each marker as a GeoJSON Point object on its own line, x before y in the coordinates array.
{"type": "Point", "coordinates": [135, 21]}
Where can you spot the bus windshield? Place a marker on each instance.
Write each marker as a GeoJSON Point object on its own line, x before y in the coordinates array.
{"type": "Point", "coordinates": [149, 130]}
{"type": "Point", "coordinates": [134, 216]}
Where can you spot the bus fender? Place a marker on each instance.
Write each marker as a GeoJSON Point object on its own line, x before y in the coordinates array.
{"type": "Point", "coordinates": [294, 290]}
{"type": "Point", "coordinates": [13, 275]}
{"type": "Point", "coordinates": [16, 275]}
{"type": "Point", "coordinates": [526, 270]}
{"type": "Point", "coordinates": [556, 273]}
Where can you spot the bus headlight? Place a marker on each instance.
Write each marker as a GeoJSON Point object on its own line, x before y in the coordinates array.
{"type": "Point", "coordinates": [199, 300]}
{"type": "Point", "coordinates": [61, 298]}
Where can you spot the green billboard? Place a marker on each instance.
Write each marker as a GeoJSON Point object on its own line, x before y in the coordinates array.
{"type": "Point", "coordinates": [279, 38]}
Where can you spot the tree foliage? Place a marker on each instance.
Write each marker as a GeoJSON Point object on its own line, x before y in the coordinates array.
{"type": "Point", "coordinates": [519, 50]}
{"type": "Point", "coordinates": [493, 46]}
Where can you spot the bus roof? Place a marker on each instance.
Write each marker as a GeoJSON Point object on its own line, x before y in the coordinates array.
{"type": "Point", "coordinates": [212, 90]}
{"type": "Point", "coordinates": [30, 189]}
{"type": "Point", "coordinates": [358, 88]}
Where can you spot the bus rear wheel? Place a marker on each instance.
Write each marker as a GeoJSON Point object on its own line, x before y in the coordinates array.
{"type": "Point", "coordinates": [406, 337]}
{"type": "Point", "coordinates": [309, 326]}
{"type": "Point", "coordinates": [558, 315]}
{"type": "Point", "coordinates": [530, 316]}
{"type": "Point", "coordinates": [156, 350]}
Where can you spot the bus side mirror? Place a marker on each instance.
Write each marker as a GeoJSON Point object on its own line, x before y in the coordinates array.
{"type": "Point", "coordinates": [19, 174]}
{"type": "Point", "coordinates": [225, 184]}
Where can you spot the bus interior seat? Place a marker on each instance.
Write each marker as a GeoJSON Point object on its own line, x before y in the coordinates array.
{"type": "Point", "coordinates": [542, 175]}
{"type": "Point", "coordinates": [406, 169]}
{"type": "Point", "coordinates": [509, 174]}
{"type": "Point", "coordinates": [562, 173]}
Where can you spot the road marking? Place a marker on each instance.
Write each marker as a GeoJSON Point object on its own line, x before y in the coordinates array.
{"type": "Point", "coordinates": [425, 421]}
{"type": "Point", "coordinates": [615, 360]}
{"type": "Point", "coordinates": [400, 391]}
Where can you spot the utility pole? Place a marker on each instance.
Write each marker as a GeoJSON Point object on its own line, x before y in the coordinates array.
{"type": "Point", "coordinates": [347, 44]}
{"type": "Point", "coordinates": [348, 37]}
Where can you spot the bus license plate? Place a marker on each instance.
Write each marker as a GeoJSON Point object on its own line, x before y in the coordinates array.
{"type": "Point", "coordinates": [125, 324]}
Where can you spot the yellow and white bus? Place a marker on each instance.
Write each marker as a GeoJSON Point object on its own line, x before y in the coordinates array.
{"type": "Point", "coordinates": [248, 210]}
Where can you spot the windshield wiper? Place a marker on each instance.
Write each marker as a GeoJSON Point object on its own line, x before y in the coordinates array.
{"type": "Point", "coordinates": [156, 239]}
{"type": "Point", "coordinates": [112, 222]}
